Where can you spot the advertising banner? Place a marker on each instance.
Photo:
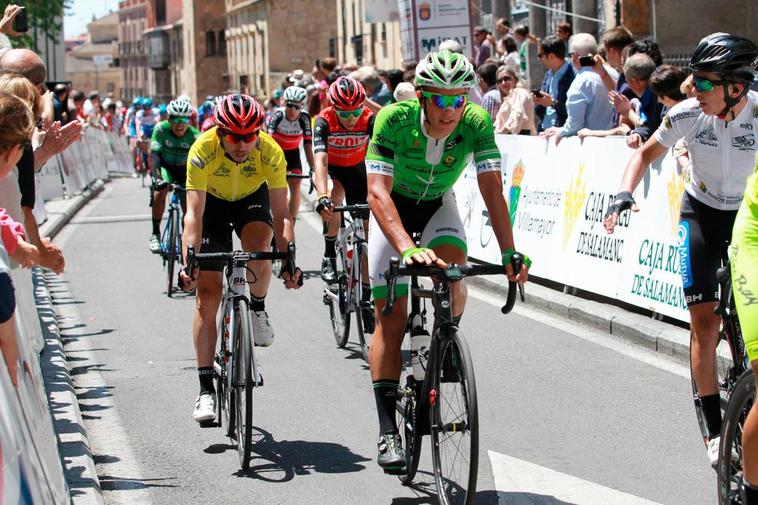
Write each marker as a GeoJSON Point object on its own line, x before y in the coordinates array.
{"type": "Point", "coordinates": [424, 24]}
{"type": "Point", "coordinates": [557, 198]}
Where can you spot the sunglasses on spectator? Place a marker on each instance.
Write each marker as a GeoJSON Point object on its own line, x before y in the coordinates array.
{"type": "Point", "coordinates": [445, 101]}
{"type": "Point", "coordinates": [505, 79]}
{"type": "Point", "coordinates": [178, 120]}
{"type": "Point", "coordinates": [704, 85]}
{"type": "Point", "coordinates": [234, 138]}
{"type": "Point", "coordinates": [347, 114]}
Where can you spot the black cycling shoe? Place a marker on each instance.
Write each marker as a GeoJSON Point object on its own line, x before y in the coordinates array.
{"type": "Point", "coordinates": [367, 313]}
{"type": "Point", "coordinates": [328, 267]}
{"type": "Point", "coordinates": [391, 455]}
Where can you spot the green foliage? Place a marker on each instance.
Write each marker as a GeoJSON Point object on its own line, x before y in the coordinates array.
{"type": "Point", "coordinates": [44, 15]}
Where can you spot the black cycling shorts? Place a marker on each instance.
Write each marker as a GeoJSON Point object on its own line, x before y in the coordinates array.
{"type": "Point", "coordinates": [221, 217]}
{"type": "Point", "coordinates": [7, 298]}
{"type": "Point", "coordinates": [353, 180]}
{"type": "Point", "coordinates": [415, 214]}
{"type": "Point", "coordinates": [176, 174]}
{"type": "Point", "coordinates": [703, 236]}
{"type": "Point", "coordinates": [294, 164]}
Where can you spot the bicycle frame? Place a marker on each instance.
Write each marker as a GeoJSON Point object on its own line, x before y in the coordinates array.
{"type": "Point", "coordinates": [350, 238]}
{"type": "Point", "coordinates": [173, 206]}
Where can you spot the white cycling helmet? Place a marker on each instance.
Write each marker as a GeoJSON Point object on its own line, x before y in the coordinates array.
{"type": "Point", "coordinates": [445, 70]}
{"type": "Point", "coordinates": [295, 94]}
{"type": "Point", "coordinates": [184, 98]}
{"type": "Point", "coordinates": [179, 108]}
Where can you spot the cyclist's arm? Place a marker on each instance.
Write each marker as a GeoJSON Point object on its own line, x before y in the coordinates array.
{"type": "Point", "coordinates": [491, 189]}
{"type": "Point", "coordinates": [305, 121]}
{"type": "Point", "coordinates": [155, 153]}
{"type": "Point", "coordinates": [320, 156]}
{"type": "Point", "coordinates": [385, 212]}
{"type": "Point", "coordinates": [193, 220]}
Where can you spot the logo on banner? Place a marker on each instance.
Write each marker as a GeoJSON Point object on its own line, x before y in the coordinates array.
{"type": "Point", "coordinates": [575, 197]}
{"type": "Point", "coordinates": [675, 188]}
{"type": "Point", "coordinates": [515, 192]}
{"type": "Point", "coordinates": [424, 11]}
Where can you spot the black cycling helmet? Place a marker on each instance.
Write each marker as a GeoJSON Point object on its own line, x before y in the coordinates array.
{"type": "Point", "coordinates": [735, 58]}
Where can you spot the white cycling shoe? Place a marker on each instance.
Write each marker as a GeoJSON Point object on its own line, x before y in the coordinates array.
{"type": "Point", "coordinates": [263, 333]}
{"type": "Point", "coordinates": [205, 408]}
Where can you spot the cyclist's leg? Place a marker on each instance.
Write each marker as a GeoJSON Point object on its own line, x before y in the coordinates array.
{"type": "Point", "coordinates": [355, 186]}
{"type": "Point", "coordinates": [294, 166]}
{"type": "Point", "coordinates": [444, 233]}
{"type": "Point", "coordinates": [159, 201]}
{"type": "Point", "coordinates": [744, 262]}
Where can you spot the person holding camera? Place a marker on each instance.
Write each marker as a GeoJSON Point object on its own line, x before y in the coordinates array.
{"type": "Point", "coordinates": [587, 104]}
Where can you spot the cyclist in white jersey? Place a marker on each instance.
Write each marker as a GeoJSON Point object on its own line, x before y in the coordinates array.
{"type": "Point", "coordinates": [719, 125]}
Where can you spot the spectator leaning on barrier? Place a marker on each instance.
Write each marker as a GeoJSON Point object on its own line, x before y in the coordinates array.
{"type": "Point", "coordinates": [516, 113]}
{"type": "Point", "coordinates": [551, 101]}
{"type": "Point", "coordinates": [615, 42]}
{"type": "Point", "coordinates": [587, 104]}
{"type": "Point", "coordinates": [644, 112]}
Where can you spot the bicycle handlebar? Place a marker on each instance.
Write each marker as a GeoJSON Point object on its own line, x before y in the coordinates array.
{"type": "Point", "coordinates": [452, 273]}
{"type": "Point", "coordinates": [309, 175]}
{"type": "Point", "coordinates": [241, 256]}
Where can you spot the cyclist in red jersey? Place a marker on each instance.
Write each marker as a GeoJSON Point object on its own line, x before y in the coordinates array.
{"type": "Point", "coordinates": [341, 136]}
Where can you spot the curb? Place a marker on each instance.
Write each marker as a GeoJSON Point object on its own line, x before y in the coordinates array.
{"type": "Point", "coordinates": [57, 221]}
{"type": "Point", "coordinates": [642, 330]}
{"type": "Point", "coordinates": [73, 445]}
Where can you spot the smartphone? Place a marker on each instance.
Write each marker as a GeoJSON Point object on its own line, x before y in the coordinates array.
{"type": "Point", "coordinates": [587, 61]}
{"type": "Point", "coordinates": [537, 93]}
{"type": "Point", "coordinates": [21, 21]}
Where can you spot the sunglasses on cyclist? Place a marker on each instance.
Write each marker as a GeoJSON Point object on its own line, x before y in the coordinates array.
{"type": "Point", "coordinates": [233, 138]}
{"type": "Point", "coordinates": [178, 120]}
{"type": "Point", "coordinates": [445, 101]}
{"type": "Point", "coordinates": [347, 114]}
{"type": "Point", "coordinates": [293, 105]}
{"type": "Point", "coordinates": [704, 85]}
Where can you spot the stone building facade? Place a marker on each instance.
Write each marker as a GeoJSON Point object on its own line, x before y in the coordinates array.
{"type": "Point", "coordinates": [364, 43]}
{"type": "Point", "coordinates": [132, 54]}
{"type": "Point", "coordinates": [204, 61]}
{"type": "Point", "coordinates": [268, 39]}
{"type": "Point", "coordinates": [164, 41]}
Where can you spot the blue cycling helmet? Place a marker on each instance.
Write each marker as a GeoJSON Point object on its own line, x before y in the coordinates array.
{"type": "Point", "coordinates": [137, 102]}
{"type": "Point", "coordinates": [147, 102]}
{"type": "Point", "coordinates": [163, 109]}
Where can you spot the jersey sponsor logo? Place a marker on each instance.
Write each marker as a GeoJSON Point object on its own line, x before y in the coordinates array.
{"type": "Point", "coordinates": [690, 299]}
{"type": "Point", "coordinates": [747, 126]}
{"type": "Point", "coordinates": [453, 142]}
{"type": "Point", "coordinates": [667, 122]}
{"type": "Point", "coordinates": [449, 160]}
{"type": "Point", "coordinates": [744, 142]}
{"type": "Point", "coordinates": [450, 229]}
{"type": "Point", "coordinates": [755, 110]}
{"type": "Point", "coordinates": [248, 170]}
{"type": "Point", "coordinates": [487, 166]}
{"type": "Point", "coordinates": [707, 137]}
{"type": "Point", "coordinates": [348, 142]}
{"type": "Point", "coordinates": [198, 162]}
{"type": "Point", "coordinates": [685, 115]}
{"type": "Point", "coordinates": [222, 171]}
{"type": "Point", "coordinates": [683, 244]}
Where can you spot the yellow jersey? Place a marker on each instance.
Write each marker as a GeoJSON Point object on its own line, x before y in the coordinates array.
{"type": "Point", "coordinates": [210, 170]}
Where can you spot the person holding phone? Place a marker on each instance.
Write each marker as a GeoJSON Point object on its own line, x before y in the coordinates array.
{"type": "Point", "coordinates": [587, 104]}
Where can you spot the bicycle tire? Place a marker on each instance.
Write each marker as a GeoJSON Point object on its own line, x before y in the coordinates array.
{"type": "Point", "coordinates": [407, 412]}
{"type": "Point", "coordinates": [338, 301]}
{"type": "Point", "coordinates": [729, 472]}
{"type": "Point", "coordinates": [224, 394]}
{"type": "Point", "coordinates": [243, 387]}
{"type": "Point", "coordinates": [453, 365]}
{"type": "Point", "coordinates": [171, 251]}
{"type": "Point", "coordinates": [364, 338]}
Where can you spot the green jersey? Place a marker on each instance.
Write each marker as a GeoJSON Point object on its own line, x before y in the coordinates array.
{"type": "Point", "coordinates": [172, 149]}
{"type": "Point", "coordinates": [424, 168]}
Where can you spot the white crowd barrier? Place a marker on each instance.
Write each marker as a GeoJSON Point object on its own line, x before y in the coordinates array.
{"type": "Point", "coordinates": [557, 197]}
{"type": "Point", "coordinates": [30, 464]}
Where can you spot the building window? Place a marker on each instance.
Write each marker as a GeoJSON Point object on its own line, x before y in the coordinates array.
{"type": "Point", "coordinates": [244, 83]}
{"type": "Point", "coordinates": [333, 47]}
{"type": "Point", "coordinates": [110, 87]}
{"type": "Point", "coordinates": [221, 43]}
{"type": "Point", "coordinates": [160, 12]}
{"type": "Point", "coordinates": [210, 43]}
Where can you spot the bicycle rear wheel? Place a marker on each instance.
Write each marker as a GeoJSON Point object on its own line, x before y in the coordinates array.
{"type": "Point", "coordinates": [364, 333]}
{"type": "Point", "coordinates": [730, 468]}
{"type": "Point", "coordinates": [243, 385]}
{"type": "Point", "coordinates": [408, 413]}
{"type": "Point", "coordinates": [173, 231]}
{"type": "Point", "coordinates": [455, 421]}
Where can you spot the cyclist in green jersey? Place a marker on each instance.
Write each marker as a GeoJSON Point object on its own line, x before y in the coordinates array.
{"type": "Point", "coordinates": [170, 143]}
{"type": "Point", "coordinates": [418, 150]}
{"type": "Point", "coordinates": [744, 261]}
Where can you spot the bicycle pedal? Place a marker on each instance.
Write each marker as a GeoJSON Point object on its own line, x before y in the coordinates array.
{"type": "Point", "coordinates": [208, 424]}
{"type": "Point", "coordinates": [259, 383]}
{"type": "Point", "coordinates": [399, 470]}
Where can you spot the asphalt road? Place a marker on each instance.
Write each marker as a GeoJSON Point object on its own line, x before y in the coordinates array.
{"type": "Point", "coordinates": [567, 414]}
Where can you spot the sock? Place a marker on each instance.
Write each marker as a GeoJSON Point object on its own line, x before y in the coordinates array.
{"type": "Point", "coordinates": [366, 292]}
{"type": "Point", "coordinates": [205, 374]}
{"type": "Point", "coordinates": [385, 394]}
{"type": "Point", "coordinates": [156, 227]}
{"type": "Point", "coordinates": [751, 493]}
{"type": "Point", "coordinates": [257, 304]}
{"type": "Point", "coordinates": [329, 247]}
{"type": "Point", "coordinates": [712, 413]}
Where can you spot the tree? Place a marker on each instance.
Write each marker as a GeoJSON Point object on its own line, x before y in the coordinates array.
{"type": "Point", "coordinates": [45, 20]}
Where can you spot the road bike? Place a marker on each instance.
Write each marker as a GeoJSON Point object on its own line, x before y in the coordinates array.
{"type": "Point", "coordinates": [345, 296]}
{"type": "Point", "coordinates": [442, 404]}
{"type": "Point", "coordinates": [236, 369]}
{"type": "Point", "coordinates": [171, 237]}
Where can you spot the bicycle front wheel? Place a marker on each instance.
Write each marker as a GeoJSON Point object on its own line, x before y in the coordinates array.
{"type": "Point", "coordinates": [243, 386]}
{"type": "Point", "coordinates": [730, 450]}
{"type": "Point", "coordinates": [173, 231]}
{"type": "Point", "coordinates": [337, 296]}
{"type": "Point", "coordinates": [455, 421]}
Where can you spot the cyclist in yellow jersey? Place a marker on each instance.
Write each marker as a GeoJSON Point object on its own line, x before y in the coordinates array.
{"type": "Point", "coordinates": [744, 261]}
{"type": "Point", "coordinates": [236, 179]}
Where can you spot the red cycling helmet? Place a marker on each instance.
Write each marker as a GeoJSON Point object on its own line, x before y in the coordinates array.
{"type": "Point", "coordinates": [239, 114]}
{"type": "Point", "coordinates": [346, 93]}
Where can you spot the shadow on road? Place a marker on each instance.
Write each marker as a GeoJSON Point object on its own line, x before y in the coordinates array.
{"type": "Point", "coordinates": [281, 460]}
